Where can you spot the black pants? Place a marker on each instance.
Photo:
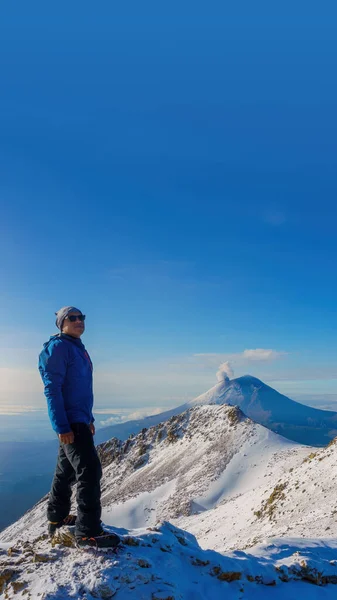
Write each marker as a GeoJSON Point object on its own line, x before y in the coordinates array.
{"type": "Point", "coordinates": [78, 463]}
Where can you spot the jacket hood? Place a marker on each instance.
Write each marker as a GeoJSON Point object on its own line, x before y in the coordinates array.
{"type": "Point", "coordinates": [58, 336]}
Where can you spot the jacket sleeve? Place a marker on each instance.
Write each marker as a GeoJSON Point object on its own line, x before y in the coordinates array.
{"type": "Point", "coordinates": [53, 368]}
{"type": "Point", "coordinates": [91, 368]}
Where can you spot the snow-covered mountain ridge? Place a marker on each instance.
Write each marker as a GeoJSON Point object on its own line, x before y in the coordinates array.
{"type": "Point", "coordinates": [260, 402]}
{"type": "Point", "coordinates": [189, 465]}
{"type": "Point", "coordinates": [219, 476]}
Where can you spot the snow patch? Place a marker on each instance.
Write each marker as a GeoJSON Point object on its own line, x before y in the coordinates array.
{"type": "Point", "coordinates": [133, 513]}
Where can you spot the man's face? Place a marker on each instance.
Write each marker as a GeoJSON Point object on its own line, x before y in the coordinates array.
{"type": "Point", "coordinates": [75, 328]}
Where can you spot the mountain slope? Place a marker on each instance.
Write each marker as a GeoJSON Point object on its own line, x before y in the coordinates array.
{"type": "Point", "coordinates": [189, 464]}
{"type": "Point", "coordinates": [298, 500]}
{"type": "Point", "coordinates": [259, 401]}
{"type": "Point", "coordinates": [212, 465]}
{"type": "Point", "coordinates": [202, 453]}
{"type": "Point", "coordinates": [227, 481]}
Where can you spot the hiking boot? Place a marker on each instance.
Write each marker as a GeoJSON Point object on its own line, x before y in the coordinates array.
{"type": "Point", "coordinates": [53, 525]}
{"type": "Point", "coordinates": [104, 539]}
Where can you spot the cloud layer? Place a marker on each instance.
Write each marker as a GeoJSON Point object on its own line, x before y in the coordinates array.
{"type": "Point", "coordinates": [156, 382]}
{"type": "Point", "coordinates": [122, 417]}
{"type": "Point", "coordinates": [241, 359]}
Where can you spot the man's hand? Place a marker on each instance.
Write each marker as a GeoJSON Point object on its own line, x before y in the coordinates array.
{"type": "Point", "coordinates": [92, 428]}
{"type": "Point", "coordinates": [66, 438]}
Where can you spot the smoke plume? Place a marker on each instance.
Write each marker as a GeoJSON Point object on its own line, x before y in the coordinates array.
{"type": "Point", "coordinates": [225, 371]}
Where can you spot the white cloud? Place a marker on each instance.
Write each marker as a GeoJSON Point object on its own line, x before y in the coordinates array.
{"type": "Point", "coordinates": [132, 416]}
{"type": "Point", "coordinates": [241, 358]}
{"type": "Point", "coordinates": [17, 410]}
{"type": "Point", "coordinates": [115, 420]}
{"type": "Point", "coordinates": [111, 411]}
{"type": "Point", "coordinates": [145, 412]}
{"type": "Point", "coordinates": [262, 354]}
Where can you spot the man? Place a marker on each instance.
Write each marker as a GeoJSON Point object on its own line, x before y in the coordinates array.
{"type": "Point", "coordinates": [66, 371]}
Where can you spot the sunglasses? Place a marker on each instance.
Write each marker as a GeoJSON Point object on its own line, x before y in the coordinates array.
{"type": "Point", "coordinates": [73, 318]}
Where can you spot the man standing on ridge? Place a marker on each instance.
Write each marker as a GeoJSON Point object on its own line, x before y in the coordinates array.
{"type": "Point", "coordinates": [66, 371]}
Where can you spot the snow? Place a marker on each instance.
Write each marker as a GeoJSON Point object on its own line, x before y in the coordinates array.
{"type": "Point", "coordinates": [242, 472]}
{"type": "Point", "coordinates": [165, 563]}
{"type": "Point", "coordinates": [219, 507]}
{"type": "Point", "coordinates": [131, 514]}
{"type": "Point", "coordinates": [5, 545]}
{"type": "Point", "coordinates": [308, 509]}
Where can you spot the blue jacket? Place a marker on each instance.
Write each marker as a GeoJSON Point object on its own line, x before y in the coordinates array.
{"type": "Point", "coordinates": [66, 371]}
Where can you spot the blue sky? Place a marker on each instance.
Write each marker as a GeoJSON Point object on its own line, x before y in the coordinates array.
{"type": "Point", "coordinates": [171, 170]}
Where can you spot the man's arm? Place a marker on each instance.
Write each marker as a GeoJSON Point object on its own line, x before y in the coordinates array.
{"type": "Point", "coordinates": [53, 367]}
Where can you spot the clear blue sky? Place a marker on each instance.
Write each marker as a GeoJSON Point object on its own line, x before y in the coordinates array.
{"type": "Point", "coordinates": [171, 170]}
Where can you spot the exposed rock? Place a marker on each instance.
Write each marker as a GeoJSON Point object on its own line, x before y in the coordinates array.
{"type": "Point", "coordinates": [268, 507]}
{"type": "Point", "coordinates": [103, 590]}
{"type": "Point", "coordinates": [144, 564]}
{"type": "Point", "coordinates": [5, 577]}
{"type": "Point", "coordinates": [225, 575]}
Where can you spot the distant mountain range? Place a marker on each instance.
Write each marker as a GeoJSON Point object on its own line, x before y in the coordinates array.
{"type": "Point", "coordinates": [260, 402]}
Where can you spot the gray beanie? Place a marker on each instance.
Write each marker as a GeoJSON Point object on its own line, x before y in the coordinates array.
{"type": "Point", "coordinates": [63, 313]}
